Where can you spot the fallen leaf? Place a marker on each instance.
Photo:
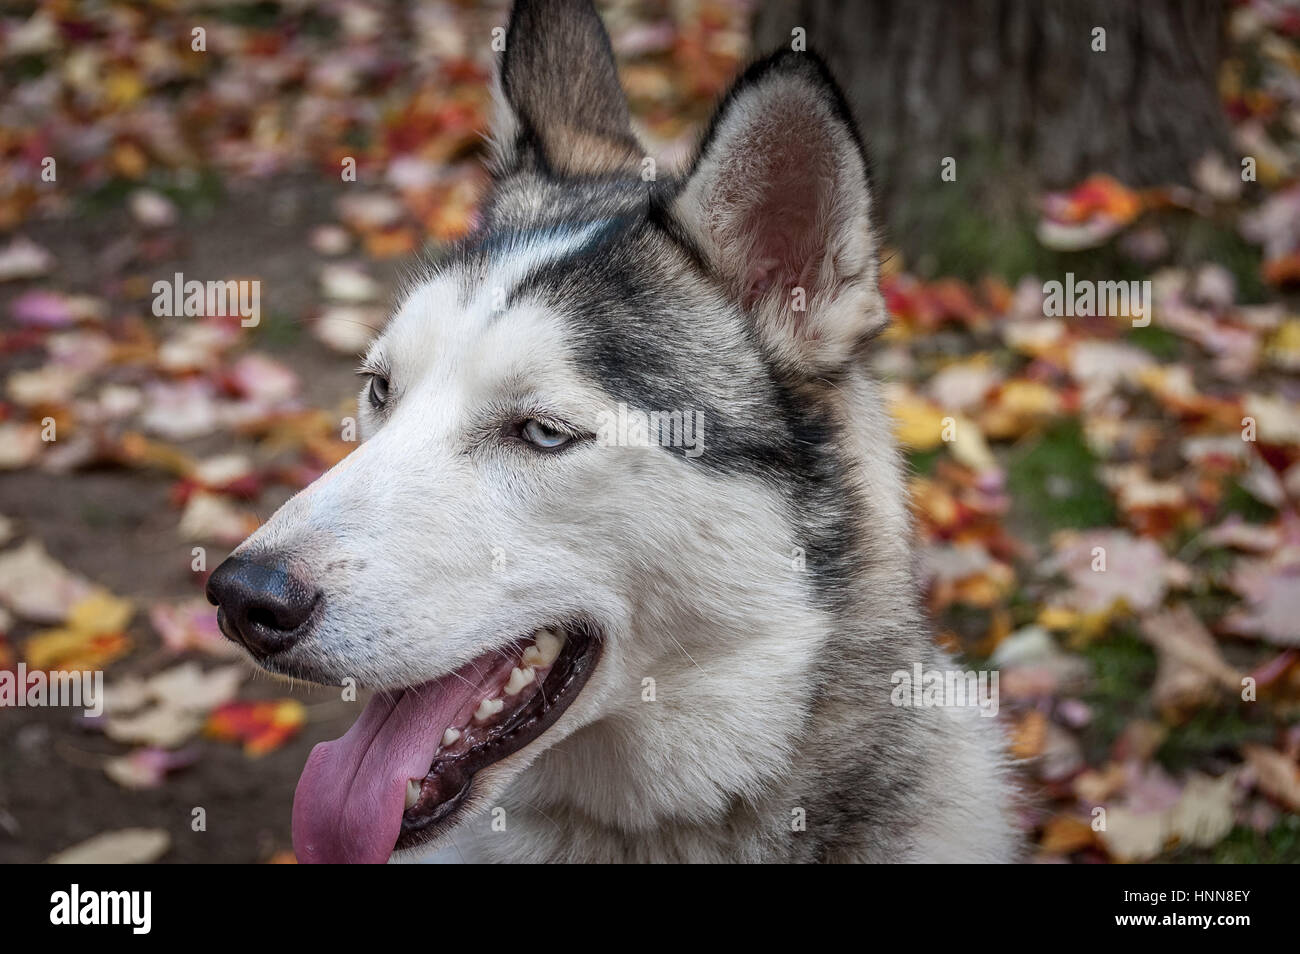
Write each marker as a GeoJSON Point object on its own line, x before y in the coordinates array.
{"type": "Point", "coordinates": [128, 846]}
{"type": "Point", "coordinates": [1029, 735]}
{"type": "Point", "coordinates": [1271, 588]}
{"type": "Point", "coordinates": [23, 258]}
{"type": "Point", "coordinates": [1205, 813]}
{"type": "Point", "coordinates": [188, 688]}
{"type": "Point", "coordinates": [19, 445]}
{"type": "Point", "coordinates": [92, 636]}
{"type": "Point", "coordinates": [1064, 834]}
{"type": "Point", "coordinates": [1109, 570]}
{"type": "Point", "coordinates": [1202, 815]}
{"type": "Point", "coordinates": [147, 767]}
{"type": "Point", "coordinates": [212, 518]}
{"type": "Point", "coordinates": [1032, 665]}
{"type": "Point", "coordinates": [1132, 836]}
{"type": "Point", "coordinates": [347, 329]}
{"type": "Point", "coordinates": [36, 586]}
{"type": "Point", "coordinates": [348, 282]}
{"type": "Point", "coordinates": [263, 379]}
{"type": "Point", "coordinates": [1277, 776]}
{"type": "Point", "coordinates": [151, 209]}
{"type": "Point", "coordinates": [191, 625]}
{"type": "Point", "coordinates": [156, 726]}
{"type": "Point", "coordinates": [1088, 214]}
{"type": "Point", "coordinates": [1191, 671]}
{"type": "Point", "coordinates": [261, 726]}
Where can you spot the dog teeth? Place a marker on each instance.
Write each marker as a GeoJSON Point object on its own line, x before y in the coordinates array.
{"type": "Point", "coordinates": [450, 736]}
{"type": "Point", "coordinates": [544, 651]}
{"type": "Point", "coordinates": [487, 709]}
{"type": "Point", "coordinates": [412, 793]}
{"type": "Point", "coordinates": [518, 679]}
{"type": "Point", "coordinates": [550, 644]}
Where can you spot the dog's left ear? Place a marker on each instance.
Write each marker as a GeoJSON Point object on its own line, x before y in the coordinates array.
{"type": "Point", "coordinates": [559, 102]}
{"type": "Point", "coordinates": [779, 202]}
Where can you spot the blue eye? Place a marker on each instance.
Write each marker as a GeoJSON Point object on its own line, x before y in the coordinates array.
{"type": "Point", "coordinates": [543, 436]}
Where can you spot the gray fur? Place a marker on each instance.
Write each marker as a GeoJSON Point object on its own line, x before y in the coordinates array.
{"type": "Point", "coordinates": [774, 691]}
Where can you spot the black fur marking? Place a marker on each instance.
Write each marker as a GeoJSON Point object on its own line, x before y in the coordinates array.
{"type": "Point", "coordinates": [811, 67]}
{"type": "Point", "coordinates": [634, 325]}
{"type": "Point", "coordinates": [559, 75]}
{"type": "Point", "coordinates": [633, 330]}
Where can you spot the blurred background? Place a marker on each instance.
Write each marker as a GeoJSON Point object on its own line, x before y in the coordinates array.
{"type": "Point", "coordinates": [315, 148]}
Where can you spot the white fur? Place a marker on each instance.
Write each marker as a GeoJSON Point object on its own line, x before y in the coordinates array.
{"type": "Point", "coordinates": [403, 533]}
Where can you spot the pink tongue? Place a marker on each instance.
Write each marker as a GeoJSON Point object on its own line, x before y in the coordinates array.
{"type": "Point", "coordinates": [349, 802]}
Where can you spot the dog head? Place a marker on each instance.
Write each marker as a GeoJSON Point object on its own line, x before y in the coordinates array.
{"type": "Point", "coordinates": [593, 450]}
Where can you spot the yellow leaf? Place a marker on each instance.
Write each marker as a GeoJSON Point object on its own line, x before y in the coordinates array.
{"type": "Point", "coordinates": [1029, 735]}
{"type": "Point", "coordinates": [129, 161]}
{"type": "Point", "coordinates": [91, 638]}
{"type": "Point", "coordinates": [1064, 835]}
{"type": "Point", "coordinates": [1017, 406]}
{"type": "Point", "coordinates": [970, 448]}
{"type": "Point", "coordinates": [101, 612]}
{"type": "Point", "coordinates": [289, 713]}
{"type": "Point", "coordinates": [123, 87]}
{"type": "Point", "coordinates": [918, 424]}
{"type": "Point", "coordinates": [1057, 618]}
{"type": "Point", "coordinates": [1284, 347]}
{"type": "Point", "coordinates": [72, 649]}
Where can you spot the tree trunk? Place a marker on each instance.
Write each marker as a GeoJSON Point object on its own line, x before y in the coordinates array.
{"type": "Point", "coordinates": [1015, 93]}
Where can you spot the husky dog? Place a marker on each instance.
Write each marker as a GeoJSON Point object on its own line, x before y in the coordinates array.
{"type": "Point", "coordinates": [588, 642]}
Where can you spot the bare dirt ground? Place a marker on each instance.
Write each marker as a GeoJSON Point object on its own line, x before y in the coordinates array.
{"type": "Point", "coordinates": [118, 528]}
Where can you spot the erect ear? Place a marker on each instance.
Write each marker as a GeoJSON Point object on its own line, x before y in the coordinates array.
{"type": "Point", "coordinates": [559, 102]}
{"type": "Point", "coordinates": [779, 202]}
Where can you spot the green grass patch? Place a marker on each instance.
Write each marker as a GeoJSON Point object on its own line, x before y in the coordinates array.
{"type": "Point", "coordinates": [1202, 240]}
{"type": "Point", "coordinates": [278, 331]}
{"type": "Point", "coordinates": [1158, 342]}
{"type": "Point", "coordinates": [970, 624]}
{"type": "Point", "coordinates": [263, 15]}
{"type": "Point", "coordinates": [1054, 486]}
{"type": "Point", "coordinates": [194, 193]}
{"type": "Point", "coordinates": [1243, 504]}
{"type": "Point", "coordinates": [26, 67]}
{"type": "Point", "coordinates": [1123, 668]}
{"type": "Point", "coordinates": [1279, 845]}
{"type": "Point", "coordinates": [101, 517]}
{"type": "Point", "coordinates": [1209, 732]}
{"type": "Point", "coordinates": [923, 462]}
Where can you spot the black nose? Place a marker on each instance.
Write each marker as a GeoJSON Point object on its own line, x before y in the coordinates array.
{"type": "Point", "coordinates": [262, 607]}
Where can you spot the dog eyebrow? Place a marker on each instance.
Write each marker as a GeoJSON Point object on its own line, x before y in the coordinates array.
{"type": "Point", "coordinates": [377, 365]}
{"type": "Point", "coordinates": [511, 240]}
{"type": "Point", "coordinates": [532, 251]}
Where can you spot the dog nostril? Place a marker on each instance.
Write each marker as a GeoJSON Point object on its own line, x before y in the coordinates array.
{"type": "Point", "coordinates": [263, 607]}
{"type": "Point", "coordinates": [262, 617]}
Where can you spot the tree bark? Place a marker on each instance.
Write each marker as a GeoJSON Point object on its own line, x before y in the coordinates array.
{"type": "Point", "coordinates": [1015, 93]}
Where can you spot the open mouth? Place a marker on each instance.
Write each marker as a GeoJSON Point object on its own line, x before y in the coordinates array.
{"type": "Point", "coordinates": [401, 774]}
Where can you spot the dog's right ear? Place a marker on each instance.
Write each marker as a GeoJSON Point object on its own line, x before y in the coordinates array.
{"type": "Point", "coordinates": [779, 202]}
{"type": "Point", "coordinates": [559, 103]}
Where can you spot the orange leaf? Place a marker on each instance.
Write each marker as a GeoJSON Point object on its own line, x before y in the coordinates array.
{"type": "Point", "coordinates": [261, 725]}
{"type": "Point", "coordinates": [1064, 835]}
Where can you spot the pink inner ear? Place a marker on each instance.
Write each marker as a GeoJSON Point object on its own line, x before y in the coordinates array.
{"type": "Point", "coordinates": [781, 227]}
{"type": "Point", "coordinates": [785, 249]}
{"type": "Point", "coordinates": [759, 279]}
